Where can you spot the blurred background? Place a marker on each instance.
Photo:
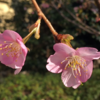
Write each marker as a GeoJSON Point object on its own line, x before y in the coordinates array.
{"type": "Point", "coordinates": [80, 18]}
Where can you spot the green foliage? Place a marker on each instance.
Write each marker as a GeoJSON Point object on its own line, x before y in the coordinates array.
{"type": "Point", "coordinates": [47, 87]}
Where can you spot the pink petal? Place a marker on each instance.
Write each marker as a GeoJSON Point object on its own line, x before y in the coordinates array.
{"type": "Point", "coordinates": [54, 62]}
{"type": "Point", "coordinates": [86, 75]}
{"type": "Point", "coordinates": [6, 60]}
{"type": "Point", "coordinates": [24, 48]}
{"type": "Point", "coordinates": [17, 70]}
{"type": "Point", "coordinates": [88, 53]}
{"type": "Point", "coordinates": [68, 79]}
{"type": "Point", "coordinates": [13, 61]}
{"type": "Point", "coordinates": [61, 47]}
{"type": "Point", "coordinates": [18, 63]}
{"type": "Point", "coordinates": [76, 86]}
{"type": "Point", "coordinates": [10, 35]}
{"type": "Point", "coordinates": [20, 60]}
{"type": "Point", "coordinates": [1, 39]}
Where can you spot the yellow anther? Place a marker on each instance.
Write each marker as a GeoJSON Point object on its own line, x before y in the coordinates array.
{"type": "Point", "coordinates": [68, 65]}
{"type": "Point", "coordinates": [4, 41]}
{"type": "Point", "coordinates": [2, 54]}
{"type": "Point", "coordinates": [0, 44]}
{"type": "Point", "coordinates": [0, 48]}
{"type": "Point", "coordinates": [7, 54]}
{"type": "Point", "coordinates": [75, 76]}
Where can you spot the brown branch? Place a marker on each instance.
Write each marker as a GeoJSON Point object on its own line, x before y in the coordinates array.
{"type": "Point", "coordinates": [40, 14]}
{"type": "Point", "coordinates": [78, 20]}
{"type": "Point", "coordinates": [97, 2]}
{"type": "Point", "coordinates": [74, 22]}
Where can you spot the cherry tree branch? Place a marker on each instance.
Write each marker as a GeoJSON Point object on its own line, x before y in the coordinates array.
{"type": "Point", "coordinates": [97, 2]}
{"type": "Point", "coordinates": [80, 25]}
{"type": "Point", "coordinates": [41, 14]}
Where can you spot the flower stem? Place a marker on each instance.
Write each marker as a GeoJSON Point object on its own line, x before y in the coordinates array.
{"type": "Point", "coordinates": [40, 14]}
{"type": "Point", "coordinates": [26, 38]}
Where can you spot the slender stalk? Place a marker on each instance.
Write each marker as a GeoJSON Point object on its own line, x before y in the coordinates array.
{"type": "Point", "coordinates": [26, 38]}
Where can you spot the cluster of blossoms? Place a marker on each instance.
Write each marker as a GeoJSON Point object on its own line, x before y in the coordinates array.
{"type": "Point", "coordinates": [76, 65]}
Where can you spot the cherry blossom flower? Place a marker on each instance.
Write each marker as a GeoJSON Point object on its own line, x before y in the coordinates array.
{"type": "Point", "coordinates": [76, 65]}
{"type": "Point", "coordinates": [12, 50]}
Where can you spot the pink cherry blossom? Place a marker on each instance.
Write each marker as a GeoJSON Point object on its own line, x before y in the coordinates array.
{"type": "Point", "coordinates": [12, 50]}
{"type": "Point", "coordinates": [76, 65]}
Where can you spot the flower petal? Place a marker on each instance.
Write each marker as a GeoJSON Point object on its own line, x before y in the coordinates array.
{"type": "Point", "coordinates": [88, 53]}
{"type": "Point", "coordinates": [76, 86]}
{"type": "Point", "coordinates": [20, 60]}
{"type": "Point", "coordinates": [1, 39]}
{"type": "Point", "coordinates": [61, 47]}
{"type": "Point", "coordinates": [18, 63]}
{"type": "Point", "coordinates": [69, 79]}
{"type": "Point", "coordinates": [17, 70]}
{"type": "Point", "coordinates": [10, 35]}
{"type": "Point", "coordinates": [6, 60]}
{"type": "Point", "coordinates": [24, 48]}
{"type": "Point", "coordinates": [54, 62]}
{"type": "Point", "coordinates": [86, 72]}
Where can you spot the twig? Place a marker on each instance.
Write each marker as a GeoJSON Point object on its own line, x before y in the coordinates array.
{"type": "Point", "coordinates": [77, 19]}
{"type": "Point", "coordinates": [97, 2]}
{"type": "Point", "coordinates": [40, 14]}
{"type": "Point", "coordinates": [74, 22]}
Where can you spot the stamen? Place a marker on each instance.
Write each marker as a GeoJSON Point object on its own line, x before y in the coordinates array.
{"type": "Point", "coordinates": [64, 60]}
{"type": "Point", "coordinates": [76, 63]}
{"type": "Point", "coordinates": [12, 49]}
{"type": "Point", "coordinates": [4, 41]}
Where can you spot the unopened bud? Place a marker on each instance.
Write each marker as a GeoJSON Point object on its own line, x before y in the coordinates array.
{"type": "Point", "coordinates": [37, 27]}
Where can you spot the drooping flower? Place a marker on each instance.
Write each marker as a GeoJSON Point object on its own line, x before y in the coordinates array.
{"type": "Point", "coordinates": [76, 65]}
{"type": "Point", "coordinates": [12, 50]}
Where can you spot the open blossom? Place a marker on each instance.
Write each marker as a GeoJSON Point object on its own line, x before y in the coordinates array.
{"type": "Point", "coordinates": [76, 65]}
{"type": "Point", "coordinates": [12, 50]}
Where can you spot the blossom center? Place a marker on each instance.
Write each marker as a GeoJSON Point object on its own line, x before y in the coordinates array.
{"type": "Point", "coordinates": [10, 49]}
{"type": "Point", "coordinates": [76, 63]}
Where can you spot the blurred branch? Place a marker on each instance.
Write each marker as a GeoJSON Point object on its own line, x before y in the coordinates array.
{"type": "Point", "coordinates": [80, 24]}
{"type": "Point", "coordinates": [41, 14]}
{"type": "Point", "coordinates": [78, 20]}
{"type": "Point", "coordinates": [97, 2]}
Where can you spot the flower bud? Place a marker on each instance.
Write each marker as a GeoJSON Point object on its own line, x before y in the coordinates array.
{"type": "Point", "coordinates": [37, 27]}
